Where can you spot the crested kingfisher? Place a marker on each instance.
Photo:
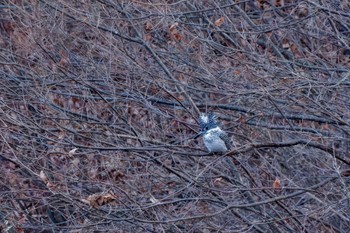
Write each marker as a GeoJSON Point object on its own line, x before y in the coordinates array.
{"type": "Point", "coordinates": [214, 138]}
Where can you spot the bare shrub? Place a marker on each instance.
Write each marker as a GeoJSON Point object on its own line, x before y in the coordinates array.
{"type": "Point", "coordinates": [99, 107]}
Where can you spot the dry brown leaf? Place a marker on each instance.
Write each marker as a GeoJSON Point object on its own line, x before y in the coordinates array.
{"type": "Point", "coordinates": [276, 183]}
{"type": "Point", "coordinates": [285, 44]}
{"type": "Point", "coordinates": [296, 51]}
{"type": "Point", "coordinates": [174, 33]}
{"type": "Point", "coordinates": [219, 21]}
{"type": "Point", "coordinates": [97, 200]}
{"type": "Point", "coordinates": [236, 72]}
{"type": "Point", "coordinates": [63, 62]}
{"type": "Point", "coordinates": [43, 177]}
{"type": "Point", "coordinates": [148, 26]}
{"type": "Point", "coordinates": [148, 37]}
{"type": "Point", "coordinates": [302, 11]}
{"type": "Point", "coordinates": [181, 98]}
{"type": "Point", "coordinates": [218, 181]}
{"type": "Point", "coordinates": [72, 152]}
{"type": "Point", "coordinates": [173, 27]}
{"type": "Point", "coordinates": [50, 185]}
{"type": "Point", "coordinates": [178, 36]}
{"type": "Point", "coordinates": [279, 3]}
{"type": "Point", "coordinates": [85, 201]}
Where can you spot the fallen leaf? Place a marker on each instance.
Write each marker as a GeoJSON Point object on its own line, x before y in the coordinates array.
{"type": "Point", "coordinates": [97, 200]}
{"type": "Point", "coordinates": [72, 152]}
{"type": "Point", "coordinates": [218, 181]}
{"type": "Point", "coordinates": [236, 72]}
{"type": "Point", "coordinates": [276, 183]}
{"type": "Point", "coordinates": [173, 27]}
{"type": "Point", "coordinates": [219, 21]}
{"type": "Point", "coordinates": [50, 185]}
{"type": "Point", "coordinates": [148, 37]}
{"type": "Point", "coordinates": [43, 177]}
{"type": "Point", "coordinates": [148, 26]}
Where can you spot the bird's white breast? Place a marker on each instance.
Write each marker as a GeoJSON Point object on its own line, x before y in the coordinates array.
{"type": "Point", "coordinates": [213, 142]}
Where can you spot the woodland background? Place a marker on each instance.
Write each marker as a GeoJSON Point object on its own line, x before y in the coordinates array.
{"type": "Point", "coordinates": [99, 102]}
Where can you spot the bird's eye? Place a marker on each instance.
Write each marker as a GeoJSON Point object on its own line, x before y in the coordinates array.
{"type": "Point", "coordinates": [206, 128]}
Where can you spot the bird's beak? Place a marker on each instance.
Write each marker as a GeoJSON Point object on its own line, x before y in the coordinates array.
{"type": "Point", "coordinates": [198, 135]}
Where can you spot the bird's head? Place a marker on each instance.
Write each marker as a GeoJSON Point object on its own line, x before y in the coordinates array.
{"type": "Point", "coordinates": [207, 121]}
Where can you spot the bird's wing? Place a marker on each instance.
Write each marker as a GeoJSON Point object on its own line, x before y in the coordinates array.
{"type": "Point", "coordinates": [223, 135]}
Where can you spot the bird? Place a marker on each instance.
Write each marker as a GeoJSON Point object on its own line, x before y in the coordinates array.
{"type": "Point", "coordinates": [214, 138]}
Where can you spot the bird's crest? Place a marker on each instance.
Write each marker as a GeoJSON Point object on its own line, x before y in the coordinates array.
{"type": "Point", "coordinates": [207, 121]}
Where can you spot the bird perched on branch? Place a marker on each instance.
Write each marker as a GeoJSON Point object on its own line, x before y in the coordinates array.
{"type": "Point", "coordinates": [214, 138]}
